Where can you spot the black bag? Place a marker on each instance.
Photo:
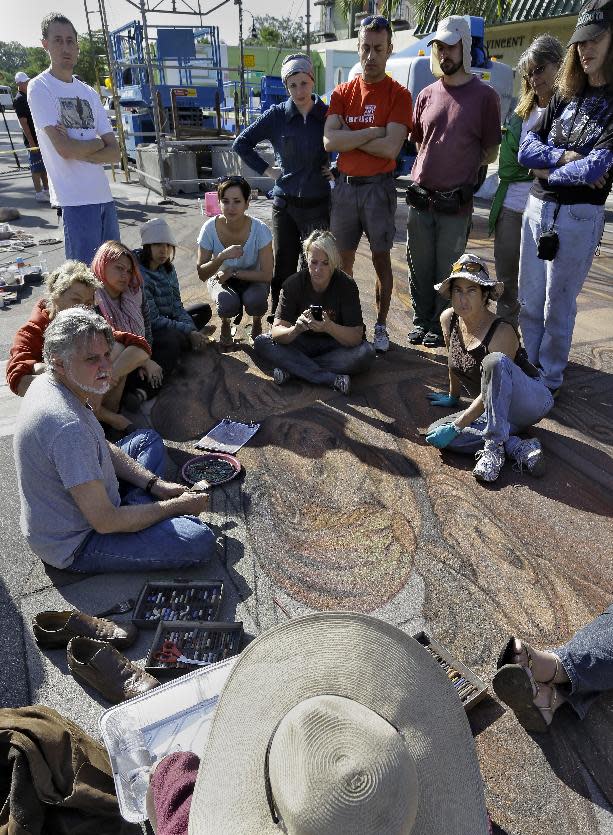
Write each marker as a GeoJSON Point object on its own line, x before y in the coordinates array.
{"type": "Point", "coordinates": [417, 196]}
{"type": "Point", "coordinates": [447, 202]}
{"type": "Point", "coordinates": [548, 243]}
{"type": "Point", "coordinates": [522, 361]}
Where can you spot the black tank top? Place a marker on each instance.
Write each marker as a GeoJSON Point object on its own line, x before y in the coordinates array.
{"type": "Point", "coordinates": [466, 365]}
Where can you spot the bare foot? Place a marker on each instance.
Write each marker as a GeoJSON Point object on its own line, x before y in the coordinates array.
{"type": "Point", "coordinates": [545, 666]}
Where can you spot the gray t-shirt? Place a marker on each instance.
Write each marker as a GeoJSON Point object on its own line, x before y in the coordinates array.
{"type": "Point", "coordinates": [58, 445]}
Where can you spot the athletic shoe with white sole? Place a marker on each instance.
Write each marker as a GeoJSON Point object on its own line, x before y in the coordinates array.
{"type": "Point", "coordinates": [280, 376]}
{"type": "Point", "coordinates": [381, 340]}
{"type": "Point", "coordinates": [489, 462]}
{"type": "Point", "coordinates": [529, 455]}
{"type": "Point", "coordinates": [342, 383]}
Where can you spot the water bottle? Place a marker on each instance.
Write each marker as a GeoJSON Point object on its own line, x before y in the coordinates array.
{"type": "Point", "coordinates": [42, 262]}
{"type": "Point", "coordinates": [133, 761]}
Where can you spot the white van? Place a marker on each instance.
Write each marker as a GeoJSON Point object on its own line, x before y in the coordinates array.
{"type": "Point", "coordinates": [6, 99]}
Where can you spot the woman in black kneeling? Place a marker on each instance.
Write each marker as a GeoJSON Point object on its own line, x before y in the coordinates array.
{"type": "Point", "coordinates": [318, 331]}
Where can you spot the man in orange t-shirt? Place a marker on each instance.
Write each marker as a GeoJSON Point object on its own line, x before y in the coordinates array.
{"type": "Point", "coordinates": [368, 121]}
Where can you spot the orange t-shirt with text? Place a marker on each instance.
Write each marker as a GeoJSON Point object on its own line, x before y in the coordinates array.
{"type": "Point", "coordinates": [365, 106]}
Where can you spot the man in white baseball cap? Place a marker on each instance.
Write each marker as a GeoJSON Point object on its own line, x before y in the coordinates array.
{"type": "Point", "coordinates": [456, 130]}
{"type": "Point", "coordinates": [22, 111]}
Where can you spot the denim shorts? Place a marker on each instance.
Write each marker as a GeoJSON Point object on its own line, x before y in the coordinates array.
{"type": "Point", "coordinates": [37, 165]}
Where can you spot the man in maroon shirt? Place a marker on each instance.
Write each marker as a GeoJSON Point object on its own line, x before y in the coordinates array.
{"type": "Point", "coordinates": [456, 128]}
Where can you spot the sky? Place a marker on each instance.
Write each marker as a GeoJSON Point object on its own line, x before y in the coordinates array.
{"type": "Point", "coordinates": [23, 24]}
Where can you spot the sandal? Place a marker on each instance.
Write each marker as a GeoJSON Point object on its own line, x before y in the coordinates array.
{"type": "Point", "coordinates": [515, 686]}
{"type": "Point", "coordinates": [508, 653]}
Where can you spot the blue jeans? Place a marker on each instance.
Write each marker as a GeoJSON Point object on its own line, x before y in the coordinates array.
{"type": "Point", "coordinates": [317, 358]}
{"type": "Point", "coordinates": [588, 661]}
{"type": "Point", "coordinates": [548, 290]}
{"type": "Point", "coordinates": [513, 402]}
{"type": "Point", "coordinates": [179, 542]}
{"type": "Point", "coordinates": [87, 227]}
{"type": "Point", "coordinates": [235, 294]}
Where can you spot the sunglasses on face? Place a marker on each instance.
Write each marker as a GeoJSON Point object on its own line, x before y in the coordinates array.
{"type": "Point", "coordinates": [535, 71]}
{"type": "Point", "coordinates": [468, 267]}
{"type": "Point", "coordinates": [378, 20]}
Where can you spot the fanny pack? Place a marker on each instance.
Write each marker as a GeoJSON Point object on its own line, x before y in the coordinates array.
{"type": "Point", "coordinates": [446, 202]}
{"type": "Point", "coordinates": [521, 360]}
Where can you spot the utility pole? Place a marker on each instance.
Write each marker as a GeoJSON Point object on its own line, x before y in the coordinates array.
{"type": "Point", "coordinates": [241, 42]}
{"type": "Point", "coordinates": [308, 27]}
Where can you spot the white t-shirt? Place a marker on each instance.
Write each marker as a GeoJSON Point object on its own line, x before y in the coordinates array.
{"type": "Point", "coordinates": [517, 193]}
{"type": "Point", "coordinates": [75, 105]}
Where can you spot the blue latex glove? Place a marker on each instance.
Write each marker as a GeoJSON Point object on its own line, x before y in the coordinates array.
{"type": "Point", "coordinates": [442, 436]}
{"type": "Point", "coordinates": [438, 398]}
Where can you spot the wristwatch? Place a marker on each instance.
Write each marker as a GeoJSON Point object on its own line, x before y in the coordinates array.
{"type": "Point", "coordinates": [234, 275]}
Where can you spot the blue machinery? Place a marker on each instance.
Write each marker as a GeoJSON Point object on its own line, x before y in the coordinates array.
{"type": "Point", "coordinates": [189, 88]}
{"type": "Point", "coordinates": [188, 79]}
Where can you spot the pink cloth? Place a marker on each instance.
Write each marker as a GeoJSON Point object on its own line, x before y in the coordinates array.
{"type": "Point", "coordinates": [172, 786]}
{"type": "Point", "coordinates": [124, 313]}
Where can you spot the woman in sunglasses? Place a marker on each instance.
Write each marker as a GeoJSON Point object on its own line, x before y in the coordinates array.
{"type": "Point", "coordinates": [571, 154]}
{"type": "Point", "coordinates": [301, 194]}
{"type": "Point", "coordinates": [487, 361]}
{"type": "Point", "coordinates": [235, 259]}
{"type": "Point", "coordinates": [537, 68]}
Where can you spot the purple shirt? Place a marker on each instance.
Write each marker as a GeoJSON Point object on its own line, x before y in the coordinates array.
{"type": "Point", "coordinates": [454, 126]}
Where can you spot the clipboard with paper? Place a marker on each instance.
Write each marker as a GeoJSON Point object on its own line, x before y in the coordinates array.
{"type": "Point", "coordinates": [228, 436]}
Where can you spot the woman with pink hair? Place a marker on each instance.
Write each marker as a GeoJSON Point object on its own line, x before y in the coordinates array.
{"type": "Point", "coordinates": [123, 304]}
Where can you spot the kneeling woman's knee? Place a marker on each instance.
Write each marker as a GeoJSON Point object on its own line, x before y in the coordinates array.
{"type": "Point", "coordinates": [496, 361]}
{"type": "Point", "coordinates": [228, 305]}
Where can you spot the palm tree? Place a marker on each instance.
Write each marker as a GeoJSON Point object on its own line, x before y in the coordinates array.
{"type": "Point", "coordinates": [429, 12]}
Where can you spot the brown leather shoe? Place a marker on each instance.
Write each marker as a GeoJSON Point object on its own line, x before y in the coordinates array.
{"type": "Point", "coordinates": [55, 629]}
{"type": "Point", "coordinates": [106, 670]}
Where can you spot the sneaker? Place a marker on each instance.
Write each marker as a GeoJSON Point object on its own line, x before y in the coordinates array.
{"type": "Point", "coordinates": [489, 463]}
{"type": "Point", "coordinates": [381, 339]}
{"type": "Point", "coordinates": [416, 336]}
{"type": "Point", "coordinates": [433, 340]}
{"type": "Point", "coordinates": [342, 383]}
{"type": "Point", "coordinates": [42, 196]}
{"type": "Point", "coordinates": [281, 376]}
{"type": "Point", "coordinates": [528, 455]}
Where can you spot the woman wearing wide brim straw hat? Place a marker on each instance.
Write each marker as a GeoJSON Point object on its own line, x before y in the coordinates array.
{"type": "Point", "coordinates": [487, 361]}
{"type": "Point", "coordinates": [337, 724]}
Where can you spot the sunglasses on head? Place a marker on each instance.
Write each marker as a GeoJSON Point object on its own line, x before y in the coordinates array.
{"type": "Point", "coordinates": [467, 267]}
{"type": "Point", "coordinates": [535, 71]}
{"type": "Point", "coordinates": [233, 178]}
{"type": "Point", "coordinates": [378, 20]}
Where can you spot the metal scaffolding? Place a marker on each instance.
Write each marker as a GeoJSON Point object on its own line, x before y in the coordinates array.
{"type": "Point", "coordinates": [159, 136]}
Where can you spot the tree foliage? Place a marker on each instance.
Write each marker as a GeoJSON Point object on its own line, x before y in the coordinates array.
{"type": "Point", "coordinates": [278, 31]}
{"type": "Point", "coordinates": [33, 59]}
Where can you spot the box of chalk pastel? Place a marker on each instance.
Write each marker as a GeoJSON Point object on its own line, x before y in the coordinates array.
{"type": "Point", "coordinates": [177, 600]}
{"type": "Point", "coordinates": [180, 648]}
{"type": "Point", "coordinates": [471, 689]}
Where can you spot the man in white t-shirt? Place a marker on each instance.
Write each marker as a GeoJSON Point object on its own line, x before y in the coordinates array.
{"type": "Point", "coordinates": [76, 140]}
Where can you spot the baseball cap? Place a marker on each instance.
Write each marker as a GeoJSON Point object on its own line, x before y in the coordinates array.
{"type": "Point", "coordinates": [21, 77]}
{"type": "Point", "coordinates": [595, 17]}
{"type": "Point", "coordinates": [451, 30]}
